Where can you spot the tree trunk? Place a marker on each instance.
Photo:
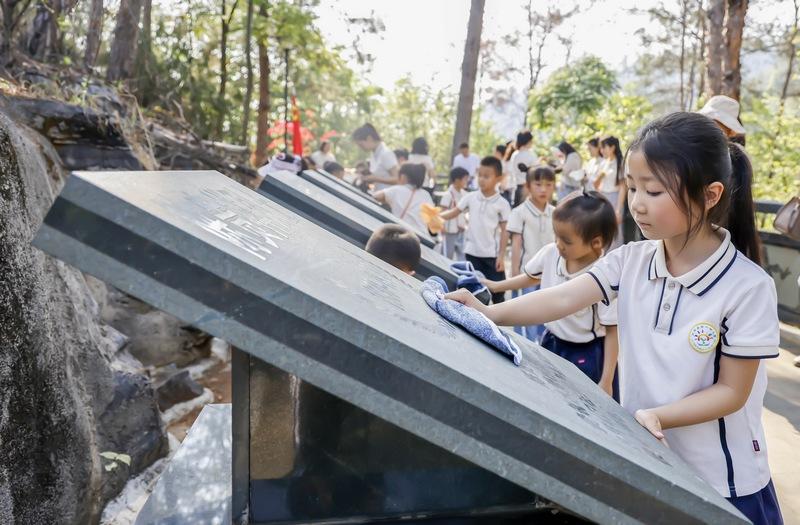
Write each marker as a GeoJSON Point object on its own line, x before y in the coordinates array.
{"type": "Point", "coordinates": [701, 22]}
{"type": "Point", "coordinates": [248, 93]}
{"type": "Point", "coordinates": [223, 65]}
{"type": "Point", "coordinates": [469, 69]}
{"type": "Point", "coordinates": [791, 52]}
{"type": "Point", "coordinates": [732, 67]}
{"type": "Point", "coordinates": [43, 31]}
{"type": "Point", "coordinates": [126, 36]}
{"type": "Point", "coordinates": [716, 17]}
{"type": "Point", "coordinates": [262, 139]}
{"type": "Point", "coordinates": [94, 33]}
{"type": "Point", "coordinates": [684, 15]}
{"type": "Point", "coordinates": [145, 83]}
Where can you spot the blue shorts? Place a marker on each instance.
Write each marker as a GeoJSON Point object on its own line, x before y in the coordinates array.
{"type": "Point", "coordinates": [588, 357]}
{"type": "Point", "coordinates": [761, 508]}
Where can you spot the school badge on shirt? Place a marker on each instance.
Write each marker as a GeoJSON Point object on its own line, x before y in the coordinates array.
{"type": "Point", "coordinates": [703, 337]}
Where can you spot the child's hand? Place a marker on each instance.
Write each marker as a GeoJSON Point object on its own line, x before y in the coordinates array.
{"type": "Point", "coordinates": [649, 420]}
{"type": "Point", "coordinates": [490, 285]}
{"type": "Point", "coordinates": [466, 298]}
{"type": "Point", "coordinates": [607, 384]}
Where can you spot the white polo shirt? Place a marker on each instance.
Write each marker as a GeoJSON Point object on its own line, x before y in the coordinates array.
{"type": "Point", "coordinates": [405, 202]}
{"type": "Point", "coordinates": [449, 201]}
{"type": "Point", "coordinates": [381, 162]}
{"type": "Point", "coordinates": [485, 215]}
{"type": "Point", "coordinates": [535, 226]}
{"type": "Point", "coordinates": [673, 331]}
{"type": "Point", "coordinates": [583, 326]}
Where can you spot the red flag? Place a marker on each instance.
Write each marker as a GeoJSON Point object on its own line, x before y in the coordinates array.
{"type": "Point", "coordinates": [297, 139]}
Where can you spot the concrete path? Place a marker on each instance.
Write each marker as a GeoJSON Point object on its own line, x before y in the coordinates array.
{"type": "Point", "coordinates": [782, 425]}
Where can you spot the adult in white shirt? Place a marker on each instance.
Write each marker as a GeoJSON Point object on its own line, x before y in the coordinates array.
{"type": "Point", "coordinates": [406, 198]}
{"type": "Point", "coordinates": [323, 154]}
{"type": "Point", "coordinates": [523, 155]}
{"type": "Point", "coordinates": [468, 161]}
{"type": "Point", "coordinates": [419, 155]}
{"type": "Point", "coordinates": [570, 161]}
{"type": "Point", "coordinates": [383, 167]}
{"type": "Point", "coordinates": [610, 181]}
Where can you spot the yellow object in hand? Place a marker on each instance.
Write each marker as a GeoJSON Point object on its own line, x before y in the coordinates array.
{"type": "Point", "coordinates": [430, 215]}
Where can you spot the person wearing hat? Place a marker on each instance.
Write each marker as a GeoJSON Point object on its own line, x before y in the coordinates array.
{"type": "Point", "coordinates": [725, 112]}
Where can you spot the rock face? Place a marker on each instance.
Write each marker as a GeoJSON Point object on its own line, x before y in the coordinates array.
{"type": "Point", "coordinates": [84, 138]}
{"type": "Point", "coordinates": [67, 391]}
{"type": "Point", "coordinates": [155, 337]}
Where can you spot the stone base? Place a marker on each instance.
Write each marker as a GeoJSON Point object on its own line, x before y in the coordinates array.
{"type": "Point", "coordinates": [196, 486]}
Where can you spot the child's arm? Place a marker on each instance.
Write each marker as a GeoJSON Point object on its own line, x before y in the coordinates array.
{"type": "Point", "coordinates": [500, 261]}
{"type": "Point", "coordinates": [516, 253]}
{"type": "Point", "coordinates": [452, 213]}
{"type": "Point", "coordinates": [726, 396]}
{"type": "Point", "coordinates": [610, 354]}
{"type": "Point", "coordinates": [523, 280]}
{"type": "Point", "coordinates": [379, 196]}
{"type": "Point", "coordinates": [538, 307]}
{"type": "Point", "coordinates": [623, 195]}
{"type": "Point", "coordinates": [392, 178]}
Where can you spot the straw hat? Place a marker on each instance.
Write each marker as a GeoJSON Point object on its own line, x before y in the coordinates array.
{"type": "Point", "coordinates": [724, 110]}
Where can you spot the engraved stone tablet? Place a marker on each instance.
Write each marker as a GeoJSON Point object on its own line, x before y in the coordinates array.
{"type": "Point", "coordinates": [234, 264]}
{"type": "Point", "coordinates": [360, 200]}
{"type": "Point", "coordinates": [342, 218]}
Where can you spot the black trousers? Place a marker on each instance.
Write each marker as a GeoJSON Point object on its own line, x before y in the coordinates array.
{"type": "Point", "coordinates": [485, 265]}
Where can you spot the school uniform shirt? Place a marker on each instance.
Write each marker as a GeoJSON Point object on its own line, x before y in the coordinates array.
{"type": "Point", "coordinates": [609, 182]}
{"type": "Point", "coordinates": [425, 160]}
{"type": "Point", "coordinates": [405, 202]}
{"type": "Point", "coordinates": [448, 201]}
{"type": "Point", "coordinates": [523, 156]}
{"type": "Point", "coordinates": [673, 332]}
{"type": "Point", "coordinates": [571, 163]}
{"type": "Point", "coordinates": [381, 161]}
{"type": "Point", "coordinates": [583, 326]}
{"type": "Point", "coordinates": [535, 226]}
{"type": "Point", "coordinates": [485, 216]}
{"type": "Point", "coordinates": [592, 170]}
{"type": "Point", "coordinates": [319, 158]}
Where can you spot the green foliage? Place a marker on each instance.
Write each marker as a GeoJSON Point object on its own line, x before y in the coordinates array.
{"type": "Point", "coordinates": [572, 93]}
{"type": "Point", "coordinates": [773, 144]}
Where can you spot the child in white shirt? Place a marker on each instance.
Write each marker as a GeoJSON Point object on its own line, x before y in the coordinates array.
{"type": "Point", "coordinates": [453, 232]}
{"type": "Point", "coordinates": [486, 236]}
{"type": "Point", "coordinates": [405, 198]}
{"type": "Point", "coordinates": [531, 228]}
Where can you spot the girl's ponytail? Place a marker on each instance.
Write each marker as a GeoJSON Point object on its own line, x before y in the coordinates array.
{"type": "Point", "coordinates": [741, 220]}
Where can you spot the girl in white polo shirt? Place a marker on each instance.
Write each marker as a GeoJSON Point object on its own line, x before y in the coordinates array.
{"type": "Point", "coordinates": [697, 314]}
{"type": "Point", "coordinates": [584, 225]}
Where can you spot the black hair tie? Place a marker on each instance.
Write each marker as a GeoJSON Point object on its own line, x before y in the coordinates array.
{"type": "Point", "coordinates": [522, 167]}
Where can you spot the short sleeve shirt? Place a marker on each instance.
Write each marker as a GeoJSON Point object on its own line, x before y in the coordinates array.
{"type": "Point", "coordinates": [448, 201]}
{"type": "Point", "coordinates": [673, 333]}
{"type": "Point", "coordinates": [522, 156]}
{"type": "Point", "coordinates": [381, 162]}
{"type": "Point", "coordinates": [535, 226]}
{"type": "Point", "coordinates": [405, 202]}
{"type": "Point", "coordinates": [482, 238]}
{"type": "Point", "coordinates": [584, 325]}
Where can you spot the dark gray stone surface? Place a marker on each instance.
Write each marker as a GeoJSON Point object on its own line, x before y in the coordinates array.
{"type": "Point", "coordinates": [234, 264]}
{"type": "Point", "coordinates": [342, 218]}
{"type": "Point", "coordinates": [360, 200]}
{"type": "Point", "coordinates": [178, 388]}
{"type": "Point", "coordinates": [68, 389]}
{"type": "Point", "coordinates": [196, 486]}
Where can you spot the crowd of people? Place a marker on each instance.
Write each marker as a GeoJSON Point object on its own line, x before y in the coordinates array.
{"type": "Point", "coordinates": [674, 327]}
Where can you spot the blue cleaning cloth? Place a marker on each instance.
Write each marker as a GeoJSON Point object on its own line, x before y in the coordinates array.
{"type": "Point", "coordinates": [470, 278]}
{"type": "Point", "coordinates": [433, 290]}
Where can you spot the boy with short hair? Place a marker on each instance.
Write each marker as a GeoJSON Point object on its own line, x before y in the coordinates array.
{"type": "Point", "coordinates": [397, 246]}
{"type": "Point", "coordinates": [453, 232]}
{"type": "Point", "coordinates": [486, 236]}
{"type": "Point", "coordinates": [531, 227]}
{"type": "Point", "coordinates": [383, 166]}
